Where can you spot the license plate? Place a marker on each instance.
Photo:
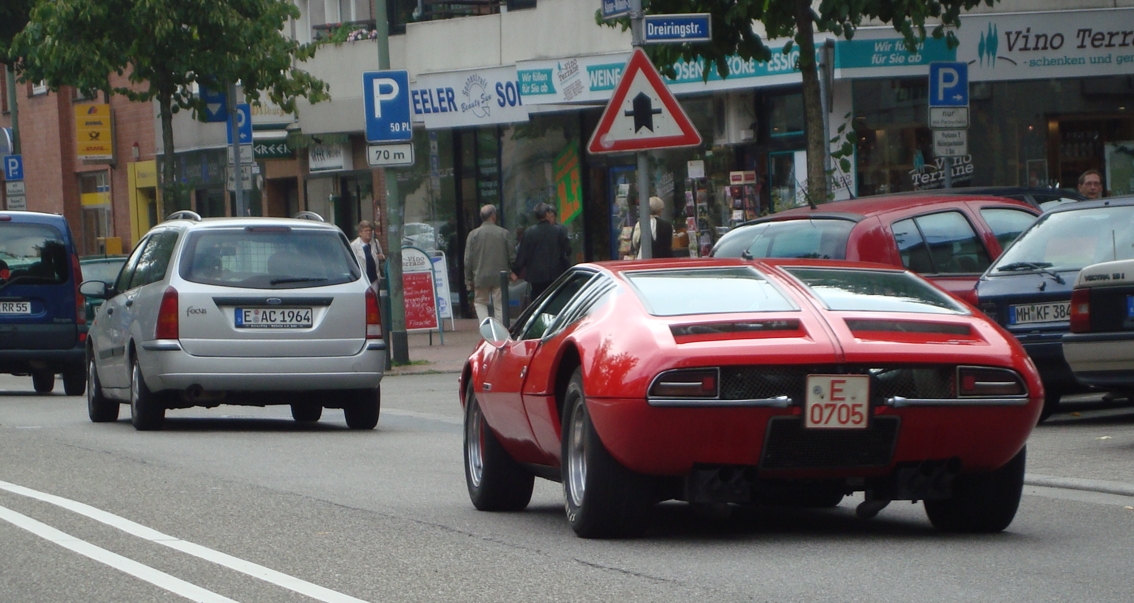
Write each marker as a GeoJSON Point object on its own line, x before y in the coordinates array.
{"type": "Point", "coordinates": [1036, 313]}
{"type": "Point", "coordinates": [15, 307]}
{"type": "Point", "coordinates": [837, 402]}
{"type": "Point", "coordinates": [273, 318]}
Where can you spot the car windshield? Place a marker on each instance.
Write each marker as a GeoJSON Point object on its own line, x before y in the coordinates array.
{"type": "Point", "coordinates": [844, 289]}
{"type": "Point", "coordinates": [1070, 240]}
{"type": "Point", "coordinates": [270, 259]}
{"type": "Point", "coordinates": [707, 291]}
{"type": "Point", "coordinates": [105, 270]}
{"type": "Point", "coordinates": [32, 254]}
{"type": "Point", "coordinates": [815, 239]}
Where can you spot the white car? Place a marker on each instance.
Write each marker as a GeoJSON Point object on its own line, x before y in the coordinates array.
{"type": "Point", "coordinates": [1100, 346]}
{"type": "Point", "coordinates": [247, 311]}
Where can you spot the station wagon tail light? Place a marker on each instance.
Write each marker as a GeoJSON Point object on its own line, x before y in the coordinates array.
{"type": "Point", "coordinates": [980, 382]}
{"type": "Point", "coordinates": [80, 301]}
{"type": "Point", "coordinates": [167, 316]}
{"type": "Point", "coordinates": [1081, 311]}
{"type": "Point", "coordinates": [687, 383]}
{"type": "Point", "coordinates": [373, 316]}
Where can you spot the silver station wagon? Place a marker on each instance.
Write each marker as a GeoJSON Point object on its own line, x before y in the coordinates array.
{"type": "Point", "coordinates": [245, 311]}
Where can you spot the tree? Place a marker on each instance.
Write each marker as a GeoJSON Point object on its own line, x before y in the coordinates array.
{"type": "Point", "coordinates": [166, 46]}
{"type": "Point", "coordinates": [13, 18]}
{"type": "Point", "coordinates": [800, 20]}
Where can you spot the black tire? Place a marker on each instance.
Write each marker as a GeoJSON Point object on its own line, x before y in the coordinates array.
{"type": "Point", "coordinates": [75, 380]}
{"type": "Point", "coordinates": [147, 413]}
{"type": "Point", "coordinates": [982, 502]}
{"type": "Point", "coordinates": [1051, 399]}
{"type": "Point", "coordinates": [361, 411]}
{"type": "Point", "coordinates": [306, 412]}
{"type": "Point", "coordinates": [603, 498]}
{"type": "Point", "coordinates": [99, 408]}
{"type": "Point", "coordinates": [496, 482]}
{"type": "Point", "coordinates": [43, 382]}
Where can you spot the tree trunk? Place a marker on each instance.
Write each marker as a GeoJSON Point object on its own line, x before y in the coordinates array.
{"type": "Point", "coordinates": [812, 105]}
{"type": "Point", "coordinates": [170, 190]}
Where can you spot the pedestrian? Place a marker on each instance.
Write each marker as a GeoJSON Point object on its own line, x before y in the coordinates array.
{"type": "Point", "coordinates": [553, 218]}
{"type": "Point", "coordinates": [545, 251]}
{"type": "Point", "coordinates": [1090, 184]}
{"type": "Point", "coordinates": [488, 251]}
{"type": "Point", "coordinates": [368, 252]}
{"type": "Point", "coordinates": [661, 233]}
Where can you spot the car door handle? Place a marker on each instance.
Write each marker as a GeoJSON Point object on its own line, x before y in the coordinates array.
{"type": "Point", "coordinates": [486, 386]}
{"type": "Point", "coordinates": [129, 303]}
{"type": "Point", "coordinates": [523, 372]}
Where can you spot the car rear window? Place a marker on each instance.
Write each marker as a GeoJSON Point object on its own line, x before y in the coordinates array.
{"type": "Point", "coordinates": [102, 270]}
{"type": "Point", "coordinates": [268, 258]}
{"type": "Point", "coordinates": [707, 291]}
{"type": "Point", "coordinates": [1071, 240]}
{"type": "Point", "coordinates": [844, 289]}
{"type": "Point", "coordinates": [32, 254]}
{"type": "Point", "coordinates": [815, 238]}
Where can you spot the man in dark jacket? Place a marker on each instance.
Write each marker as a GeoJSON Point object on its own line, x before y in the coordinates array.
{"type": "Point", "coordinates": [544, 252]}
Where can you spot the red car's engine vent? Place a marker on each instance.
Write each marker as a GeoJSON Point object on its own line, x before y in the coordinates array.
{"type": "Point", "coordinates": [765, 382]}
{"type": "Point", "coordinates": [907, 326]}
{"type": "Point", "coordinates": [751, 329]}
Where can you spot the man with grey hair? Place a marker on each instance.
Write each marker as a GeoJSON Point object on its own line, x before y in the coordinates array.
{"type": "Point", "coordinates": [488, 251]}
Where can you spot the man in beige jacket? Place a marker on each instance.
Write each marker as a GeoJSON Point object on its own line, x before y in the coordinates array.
{"type": "Point", "coordinates": [488, 251]}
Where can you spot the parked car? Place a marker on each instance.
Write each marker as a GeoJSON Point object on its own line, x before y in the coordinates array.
{"type": "Point", "coordinates": [248, 311]}
{"type": "Point", "coordinates": [103, 268]}
{"type": "Point", "coordinates": [1028, 289]}
{"type": "Point", "coordinates": [1039, 197]}
{"type": "Point", "coordinates": [1100, 347]}
{"type": "Point", "coordinates": [731, 381]}
{"type": "Point", "coordinates": [420, 235]}
{"type": "Point", "coordinates": [41, 311]}
{"type": "Point", "coordinates": [949, 239]}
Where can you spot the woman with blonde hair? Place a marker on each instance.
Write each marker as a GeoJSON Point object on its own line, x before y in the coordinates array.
{"type": "Point", "coordinates": [661, 232]}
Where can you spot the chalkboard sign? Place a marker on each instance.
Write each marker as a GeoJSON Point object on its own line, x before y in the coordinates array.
{"type": "Point", "coordinates": [420, 301]}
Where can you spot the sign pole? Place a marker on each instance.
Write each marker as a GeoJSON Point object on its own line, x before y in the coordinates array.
{"type": "Point", "coordinates": [11, 79]}
{"type": "Point", "coordinates": [237, 166]}
{"type": "Point", "coordinates": [638, 38]}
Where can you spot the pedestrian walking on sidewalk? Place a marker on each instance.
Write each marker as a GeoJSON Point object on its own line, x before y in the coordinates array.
{"type": "Point", "coordinates": [368, 252]}
{"type": "Point", "coordinates": [661, 231]}
{"type": "Point", "coordinates": [544, 253]}
{"type": "Point", "coordinates": [488, 251]}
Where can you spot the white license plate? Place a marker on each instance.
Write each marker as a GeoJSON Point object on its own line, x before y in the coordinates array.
{"type": "Point", "coordinates": [837, 402]}
{"type": "Point", "coordinates": [15, 307]}
{"type": "Point", "coordinates": [1036, 313]}
{"type": "Point", "coordinates": [273, 318]}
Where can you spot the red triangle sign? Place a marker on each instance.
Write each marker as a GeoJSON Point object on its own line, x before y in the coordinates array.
{"type": "Point", "coordinates": [642, 114]}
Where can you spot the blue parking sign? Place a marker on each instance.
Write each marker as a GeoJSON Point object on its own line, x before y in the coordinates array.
{"type": "Point", "coordinates": [948, 84]}
{"type": "Point", "coordinates": [243, 124]}
{"type": "Point", "coordinates": [13, 167]}
{"type": "Point", "coordinates": [386, 95]}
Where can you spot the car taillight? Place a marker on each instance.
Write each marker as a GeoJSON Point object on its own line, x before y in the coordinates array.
{"type": "Point", "coordinates": [688, 383]}
{"type": "Point", "coordinates": [167, 316]}
{"type": "Point", "coordinates": [373, 316]}
{"type": "Point", "coordinates": [1081, 311]}
{"type": "Point", "coordinates": [984, 382]}
{"type": "Point", "coordinates": [80, 301]}
{"type": "Point", "coordinates": [969, 297]}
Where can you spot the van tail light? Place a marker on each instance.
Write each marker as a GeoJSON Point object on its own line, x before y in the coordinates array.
{"type": "Point", "coordinates": [970, 297]}
{"type": "Point", "coordinates": [80, 301]}
{"type": "Point", "coordinates": [373, 315]}
{"type": "Point", "coordinates": [167, 327]}
{"type": "Point", "coordinates": [1081, 311]}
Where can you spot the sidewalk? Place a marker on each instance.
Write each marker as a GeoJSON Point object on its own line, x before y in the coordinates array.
{"type": "Point", "coordinates": [438, 358]}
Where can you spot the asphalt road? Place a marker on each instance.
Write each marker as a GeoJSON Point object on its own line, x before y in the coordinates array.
{"type": "Point", "coordinates": [242, 504]}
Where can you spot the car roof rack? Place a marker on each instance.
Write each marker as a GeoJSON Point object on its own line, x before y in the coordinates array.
{"type": "Point", "coordinates": [309, 215]}
{"type": "Point", "coordinates": [184, 214]}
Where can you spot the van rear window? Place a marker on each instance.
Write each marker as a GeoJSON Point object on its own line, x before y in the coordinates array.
{"type": "Point", "coordinates": [32, 254]}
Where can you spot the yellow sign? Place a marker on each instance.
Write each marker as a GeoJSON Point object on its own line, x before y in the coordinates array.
{"type": "Point", "coordinates": [89, 199]}
{"type": "Point", "coordinates": [146, 174]}
{"type": "Point", "coordinates": [92, 129]}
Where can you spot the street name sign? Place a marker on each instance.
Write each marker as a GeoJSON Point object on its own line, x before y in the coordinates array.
{"type": "Point", "coordinates": [386, 155]}
{"type": "Point", "coordinates": [948, 118]}
{"type": "Point", "coordinates": [386, 96]}
{"type": "Point", "coordinates": [950, 143]}
{"type": "Point", "coordinates": [678, 29]}
{"type": "Point", "coordinates": [612, 9]}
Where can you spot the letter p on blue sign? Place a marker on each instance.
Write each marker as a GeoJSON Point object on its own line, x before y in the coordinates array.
{"type": "Point", "coordinates": [386, 96]}
{"type": "Point", "coordinates": [13, 167]}
{"type": "Point", "coordinates": [948, 84]}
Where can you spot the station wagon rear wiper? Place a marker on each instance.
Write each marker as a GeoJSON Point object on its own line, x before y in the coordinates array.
{"type": "Point", "coordinates": [1038, 266]}
{"type": "Point", "coordinates": [280, 281]}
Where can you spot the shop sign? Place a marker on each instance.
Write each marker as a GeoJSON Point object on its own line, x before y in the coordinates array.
{"type": "Point", "coordinates": [267, 113]}
{"type": "Point", "coordinates": [477, 97]}
{"type": "Point", "coordinates": [145, 174]}
{"type": "Point", "coordinates": [266, 149]}
{"type": "Point", "coordinates": [567, 183]}
{"type": "Point", "coordinates": [863, 56]}
{"type": "Point", "coordinates": [92, 128]}
{"type": "Point", "coordinates": [329, 158]}
{"type": "Point", "coordinates": [96, 199]}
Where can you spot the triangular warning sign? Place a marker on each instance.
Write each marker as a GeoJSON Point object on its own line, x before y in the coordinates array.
{"type": "Point", "coordinates": [642, 114]}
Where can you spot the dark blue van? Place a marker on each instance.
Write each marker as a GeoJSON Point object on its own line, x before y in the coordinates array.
{"type": "Point", "coordinates": [42, 319]}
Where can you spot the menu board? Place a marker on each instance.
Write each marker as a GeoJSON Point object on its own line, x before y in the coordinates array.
{"type": "Point", "coordinates": [420, 301]}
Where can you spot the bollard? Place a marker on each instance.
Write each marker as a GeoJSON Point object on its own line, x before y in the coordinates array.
{"type": "Point", "coordinates": [503, 301]}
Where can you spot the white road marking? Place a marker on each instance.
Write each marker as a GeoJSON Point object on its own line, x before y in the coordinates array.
{"type": "Point", "coordinates": [234, 563]}
{"type": "Point", "coordinates": [158, 578]}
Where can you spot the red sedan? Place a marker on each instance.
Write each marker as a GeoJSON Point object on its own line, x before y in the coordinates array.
{"type": "Point", "coordinates": [748, 382]}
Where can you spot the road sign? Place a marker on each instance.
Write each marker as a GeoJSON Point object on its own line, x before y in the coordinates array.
{"type": "Point", "coordinates": [16, 198]}
{"type": "Point", "coordinates": [642, 114]}
{"type": "Point", "coordinates": [615, 8]}
{"type": "Point", "coordinates": [950, 143]}
{"type": "Point", "coordinates": [948, 118]}
{"type": "Point", "coordinates": [246, 154]}
{"type": "Point", "coordinates": [243, 124]}
{"type": "Point", "coordinates": [216, 105]}
{"type": "Point", "coordinates": [13, 167]}
{"type": "Point", "coordinates": [948, 84]}
{"type": "Point", "coordinates": [386, 95]}
{"type": "Point", "coordinates": [677, 29]}
{"type": "Point", "coordinates": [382, 155]}
{"type": "Point", "coordinates": [245, 177]}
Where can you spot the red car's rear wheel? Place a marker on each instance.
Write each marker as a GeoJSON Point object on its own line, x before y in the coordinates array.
{"type": "Point", "coordinates": [981, 502]}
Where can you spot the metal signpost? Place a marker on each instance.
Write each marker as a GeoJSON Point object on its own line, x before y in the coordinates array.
{"type": "Point", "coordinates": [239, 133]}
{"type": "Point", "coordinates": [949, 112]}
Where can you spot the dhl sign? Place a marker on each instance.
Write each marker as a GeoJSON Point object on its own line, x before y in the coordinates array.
{"type": "Point", "coordinates": [93, 132]}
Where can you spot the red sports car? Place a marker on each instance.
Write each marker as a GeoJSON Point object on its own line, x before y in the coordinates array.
{"type": "Point", "coordinates": [749, 382]}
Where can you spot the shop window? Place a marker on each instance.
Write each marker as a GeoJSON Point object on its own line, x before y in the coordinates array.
{"type": "Point", "coordinates": [785, 115]}
{"type": "Point", "coordinates": [94, 197]}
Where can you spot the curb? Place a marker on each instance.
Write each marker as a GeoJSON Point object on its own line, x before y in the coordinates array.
{"type": "Point", "coordinates": [1071, 483]}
